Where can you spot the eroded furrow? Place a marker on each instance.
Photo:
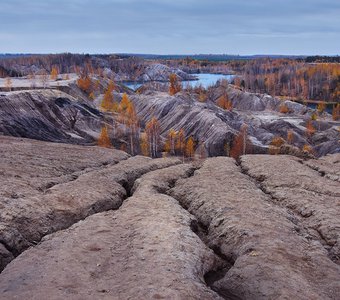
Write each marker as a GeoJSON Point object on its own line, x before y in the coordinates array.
{"type": "Point", "coordinates": [24, 221]}
{"type": "Point", "coordinates": [313, 199]}
{"type": "Point", "coordinates": [144, 250]}
{"type": "Point", "coordinates": [221, 263]}
{"type": "Point", "coordinates": [260, 238]}
{"type": "Point", "coordinates": [327, 166]}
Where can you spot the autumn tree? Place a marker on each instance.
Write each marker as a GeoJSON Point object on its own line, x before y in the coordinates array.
{"type": "Point", "coordinates": [224, 102]}
{"type": "Point", "coordinates": [336, 112]}
{"type": "Point", "coordinates": [92, 96]}
{"type": "Point", "coordinates": [104, 139]}
{"type": "Point", "coordinates": [310, 129]}
{"type": "Point", "coordinates": [308, 149]}
{"type": "Point", "coordinates": [180, 142]}
{"type": "Point", "coordinates": [170, 143]}
{"type": "Point", "coordinates": [153, 132]}
{"type": "Point", "coordinates": [175, 85]}
{"type": "Point", "coordinates": [284, 109]}
{"type": "Point", "coordinates": [202, 96]}
{"type": "Point", "coordinates": [133, 126]}
{"type": "Point", "coordinates": [190, 148]}
{"type": "Point", "coordinates": [54, 73]}
{"type": "Point", "coordinates": [201, 92]}
{"type": "Point", "coordinates": [239, 146]}
{"type": "Point", "coordinates": [290, 137]}
{"type": "Point", "coordinates": [85, 84]}
{"type": "Point", "coordinates": [321, 107]}
{"type": "Point", "coordinates": [275, 144]}
{"type": "Point", "coordinates": [124, 103]}
{"type": "Point", "coordinates": [108, 103]}
{"type": "Point", "coordinates": [144, 146]}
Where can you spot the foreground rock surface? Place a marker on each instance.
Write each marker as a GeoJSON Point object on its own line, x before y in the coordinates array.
{"type": "Point", "coordinates": [271, 255]}
{"type": "Point", "coordinates": [115, 227]}
{"type": "Point", "coordinates": [145, 250]}
{"type": "Point", "coordinates": [48, 187]}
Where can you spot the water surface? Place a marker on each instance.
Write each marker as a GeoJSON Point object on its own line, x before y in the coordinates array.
{"type": "Point", "coordinates": [204, 79]}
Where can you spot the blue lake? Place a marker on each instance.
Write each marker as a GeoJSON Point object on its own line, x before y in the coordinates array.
{"type": "Point", "coordinates": [204, 79]}
{"type": "Point", "coordinates": [207, 80]}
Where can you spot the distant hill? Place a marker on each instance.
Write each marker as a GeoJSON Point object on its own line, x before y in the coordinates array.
{"type": "Point", "coordinates": [209, 57]}
{"type": "Point", "coordinates": [13, 55]}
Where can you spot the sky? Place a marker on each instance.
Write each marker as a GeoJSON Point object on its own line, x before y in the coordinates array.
{"type": "Point", "coordinates": [245, 27]}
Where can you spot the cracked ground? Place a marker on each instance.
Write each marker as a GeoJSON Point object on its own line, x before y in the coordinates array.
{"type": "Point", "coordinates": [91, 223]}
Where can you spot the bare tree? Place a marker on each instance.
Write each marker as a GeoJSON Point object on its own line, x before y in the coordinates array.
{"type": "Point", "coordinates": [44, 79]}
{"type": "Point", "coordinates": [8, 84]}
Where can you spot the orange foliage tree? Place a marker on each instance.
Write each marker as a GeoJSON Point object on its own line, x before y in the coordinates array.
{"type": "Point", "coordinates": [336, 112]}
{"type": "Point", "coordinates": [239, 146]}
{"type": "Point", "coordinates": [307, 148]}
{"type": "Point", "coordinates": [144, 147]}
{"type": "Point", "coordinates": [321, 107]}
{"type": "Point", "coordinates": [175, 85]}
{"type": "Point", "coordinates": [284, 109]}
{"type": "Point", "coordinates": [108, 103]}
{"type": "Point", "coordinates": [190, 147]}
{"type": "Point", "coordinates": [275, 144]}
{"type": "Point", "coordinates": [169, 146]}
{"type": "Point", "coordinates": [290, 136]}
{"type": "Point", "coordinates": [104, 139]}
{"type": "Point", "coordinates": [124, 103]}
{"type": "Point", "coordinates": [54, 73]}
{"type": "Point", "coordinates": [180, 142]}
{"type": "Point", "coordinates": [310, 129]}
{"type": "Point", "coordinates": [224, 102]}
{"type": "Point", "coordinates": [85, 83]}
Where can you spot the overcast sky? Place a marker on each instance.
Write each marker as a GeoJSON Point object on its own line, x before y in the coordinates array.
{"type": "Point", "coordinates": [170, 26]}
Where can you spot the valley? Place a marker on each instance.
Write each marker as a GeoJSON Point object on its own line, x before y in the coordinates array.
{"type": "Point", "coordinates": [184, 186]}
{"type": "Point", "coordinates": [211, 111]}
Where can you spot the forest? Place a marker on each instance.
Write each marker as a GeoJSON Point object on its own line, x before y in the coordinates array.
{"type": "Point", "coordinates": [309, 79]}
{"type": "Point", "coordinates": [314, 78]}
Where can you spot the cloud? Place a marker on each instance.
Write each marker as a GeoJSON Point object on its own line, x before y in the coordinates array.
{"type": "Point", "coordinates": [164, 26]}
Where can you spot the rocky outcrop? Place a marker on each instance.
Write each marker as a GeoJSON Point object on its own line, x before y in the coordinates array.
{"type": "Point", "coordinates": [49, 115]}
{"type": "Point", "coordinates": [216, 127]}
{"type": "Point", "coordinates": [103, 225]}
{"type": "Point", "coordinates": [202, 121]}
{"type": "Point", "coordinates": [65, 114]}
{"type": "Point", "coordinates": [159, 72]}
{"type": "Point", "coordinates": [259, 102]}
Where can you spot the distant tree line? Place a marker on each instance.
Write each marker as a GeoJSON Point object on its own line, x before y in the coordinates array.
{"type": "Point", "coordinates": [322, 59]}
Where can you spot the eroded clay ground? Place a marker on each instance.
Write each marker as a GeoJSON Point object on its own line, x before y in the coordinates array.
{"type": "Point", "coordinates": [90, 223]}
